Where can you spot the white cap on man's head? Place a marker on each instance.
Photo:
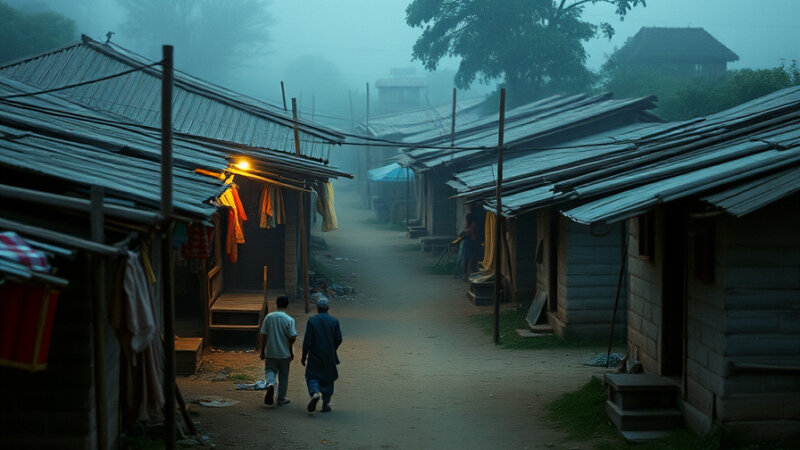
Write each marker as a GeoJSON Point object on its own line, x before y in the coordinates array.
{"type": "Point", "coordinates": [322, 301]}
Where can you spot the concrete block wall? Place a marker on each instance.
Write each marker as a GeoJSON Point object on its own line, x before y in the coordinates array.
{"type": "Point", "coordinates": [705, 345]}
{"type": "Point", "coordinates": [644, 296]}
{"type": "Point", "coordinates": [589, 266]}
{"type": "Point", "coordinates": [760, 264]}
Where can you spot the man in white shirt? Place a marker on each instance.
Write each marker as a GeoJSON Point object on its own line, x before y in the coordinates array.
{"type": "Point", "coordinates": [276, 350]}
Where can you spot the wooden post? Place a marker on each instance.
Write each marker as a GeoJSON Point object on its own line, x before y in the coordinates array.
{"type": "Point", "coordinates": [352, 116]}
{"type": "Point", "coordinates": [408, 194]}
{"type": "Point", "coordinates": [301, 217]}
{"type": "Point", "coordinates": [98, 319]}
{"type": "Point", "coordinates": [498, 260]}
{"type": "Point", "coordinates": [264, 311]}
{"type": "Point", "coordinates": [166, 281]}
{"type": "Point", "coordinates": [368, 158]}
{"type": "Point", "coordinates": [453, 122]}
{"type": "Point", "coordinates": [283, 95]}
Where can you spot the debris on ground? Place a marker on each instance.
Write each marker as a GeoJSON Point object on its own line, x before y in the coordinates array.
{"type": "Point", "coordinates": [604, 360]}
{"type": "Point", "coordinates": [213, 401]}
{"type": "Point", "coordinates": [324, 284]}
{"type": "Point", "coordinates": [254, 386]}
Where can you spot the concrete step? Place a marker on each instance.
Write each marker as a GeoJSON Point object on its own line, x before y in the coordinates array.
{"type": "Point", "coordinates": [478, 300]}
{"type": "Point", "coordinates": [640, 382]}
{"type": "Point", "coordinates": [644, 419]}
{"type": "Point", "coordinates": [641, 437]}
{"type": "Point", "coordinates": [233, 327]}
{"type": "Point", "coordinates": [188, 355]}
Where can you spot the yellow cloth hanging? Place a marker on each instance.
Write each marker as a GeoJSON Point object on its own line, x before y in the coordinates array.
{"type": "Point", "coordinates": [487, 265]}
{"type": "Point", "coordinates": [325, 206]}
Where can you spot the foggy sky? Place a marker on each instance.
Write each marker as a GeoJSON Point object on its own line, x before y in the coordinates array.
{"type": "Point", "coordinates": [358, 41]}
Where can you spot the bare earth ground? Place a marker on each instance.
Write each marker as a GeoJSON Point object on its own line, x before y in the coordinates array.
{"type": "Point", "coordinates": [415, 373]}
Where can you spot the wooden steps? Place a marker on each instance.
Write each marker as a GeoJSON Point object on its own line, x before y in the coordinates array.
{"type": "Point", "coordinates": [643, 406]}
{"type": "Point", "coordinates": [188, 355]}
{"type": "Point", "coordinates": [236, 312]}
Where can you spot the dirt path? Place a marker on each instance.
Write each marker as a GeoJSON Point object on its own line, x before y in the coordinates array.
{"type": "Point", "coordinates": [415, 372]}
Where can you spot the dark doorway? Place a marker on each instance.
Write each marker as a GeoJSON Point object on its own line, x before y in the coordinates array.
{"type": "Point", "coordinates": [673, 323]}
{"type": "Point", "coordinates": [262, 247]}
{"type": "Point", "coordinates": [552, 262]}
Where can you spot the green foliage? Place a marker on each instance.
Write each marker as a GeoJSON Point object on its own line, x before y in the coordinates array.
{"type": "Point", "coordinates": [581, 414]}
{"type": "Point", "coordinates": [535, 46]}
{"type": "Point", "coordinates": [210, 36]}
{"type": "Point", "coordinates": [29, 34]}
{"type": "Point", "coordinates": [511, 321]}
{"type": "Point", "coordinates": [681, 98]}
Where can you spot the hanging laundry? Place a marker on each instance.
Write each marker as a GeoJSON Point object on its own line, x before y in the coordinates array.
{"type": "Point", "coordinates": [13, 248]}
{"type": "Point", "coordinates": [271, 208]}
{"type": "Point", "coordinates": [325, 205]}
{"type": "Point", "coordinates": [198, 244]}
{"type": "Point", "coordinates": [236, 219]}
{"type": "Point", "coordinates": [133, 315]}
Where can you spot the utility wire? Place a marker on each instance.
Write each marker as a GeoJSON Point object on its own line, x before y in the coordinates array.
{"type": "Point", "coordinates": [82, 83]}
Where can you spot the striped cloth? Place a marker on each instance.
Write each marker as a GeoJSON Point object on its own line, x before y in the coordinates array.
{"type": "Point", "coordinates": [13, 248]}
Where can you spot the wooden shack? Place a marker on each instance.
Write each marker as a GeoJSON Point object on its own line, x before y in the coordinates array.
{"type": "Point", "coordinates": [714, 263]}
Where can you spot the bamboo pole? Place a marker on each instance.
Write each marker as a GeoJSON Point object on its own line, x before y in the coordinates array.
{"type": "Point", "coordinates": [498, 261]}
{"type": "Point", "coordinates": [301, 217]}
{"type": "Point", "coordinates": [167, 287]}
{"type": "Point", "coordinates": [98, 319]}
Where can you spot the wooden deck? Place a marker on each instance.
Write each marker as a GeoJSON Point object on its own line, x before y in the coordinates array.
{"type": "Point", "coordinates": [241, 302]}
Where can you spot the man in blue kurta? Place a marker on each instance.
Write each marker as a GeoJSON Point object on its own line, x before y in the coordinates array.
{"type": "Point", "coordinates": [323, 336]}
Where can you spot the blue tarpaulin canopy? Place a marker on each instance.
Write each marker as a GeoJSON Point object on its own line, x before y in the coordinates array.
{"type": "Point", "coordinates": [390, 173]}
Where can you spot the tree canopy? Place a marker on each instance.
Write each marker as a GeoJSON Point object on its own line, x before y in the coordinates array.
{"type": "Point", "coordinates": [534, 46]}
{"type": "Point", "coordinates": [211, 37]}
{"type": "Point", "coordinates": [28, 34]}
{"type": "Point", "coordinates": [685, 98]}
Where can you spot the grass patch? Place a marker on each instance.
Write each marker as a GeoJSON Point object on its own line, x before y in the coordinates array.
{"type": "Point", "coordinates": [241, 378]}
{"type": "Point", "coordinates": [511, 320]}
{"type": "Point", "coordinates": [581, 414]}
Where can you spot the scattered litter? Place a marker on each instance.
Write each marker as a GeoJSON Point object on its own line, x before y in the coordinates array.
{"type": "Point", "coordinates": [213, 401]}
{"type": "Point", "coordinates": [255, 386]}
{"type": "Point", "coordinates": [599, 360]}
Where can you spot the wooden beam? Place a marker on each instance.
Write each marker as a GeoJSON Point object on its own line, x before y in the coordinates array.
{"type": "Point", "coordinates": [98, 283]}
{"type": "Point", "coordinates": [166, 281]}
{"type": "Point", "coordinates": [498, 260]}
{"type": "Point", "coordinates": [62, 239]}
{"type": "Point", "coordinates": [77, 204]}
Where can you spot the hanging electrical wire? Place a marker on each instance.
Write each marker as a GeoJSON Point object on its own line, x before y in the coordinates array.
{"type": "Point", "coordinates": [82, 83]}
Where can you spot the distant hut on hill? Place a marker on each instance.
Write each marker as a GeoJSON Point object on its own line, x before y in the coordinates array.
{"type": "Point", "coordinates": [683, 52]}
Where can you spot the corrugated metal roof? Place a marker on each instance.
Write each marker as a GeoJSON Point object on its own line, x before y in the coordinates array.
{"type": "Point", "coordinates": [200, 108]}
{"type": "Point", "coordinates": [49, 136]}
{"type": "Point", "coordinates": [746, 145]}
{"type": "Point", "coordinates": [527, 124]}
{"type": "Point", "coordinates": [435, 119]}
{"type": "Point", "coordinates": [741, 159]}
{"type": "Point", "coordinates": [748, 197]}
